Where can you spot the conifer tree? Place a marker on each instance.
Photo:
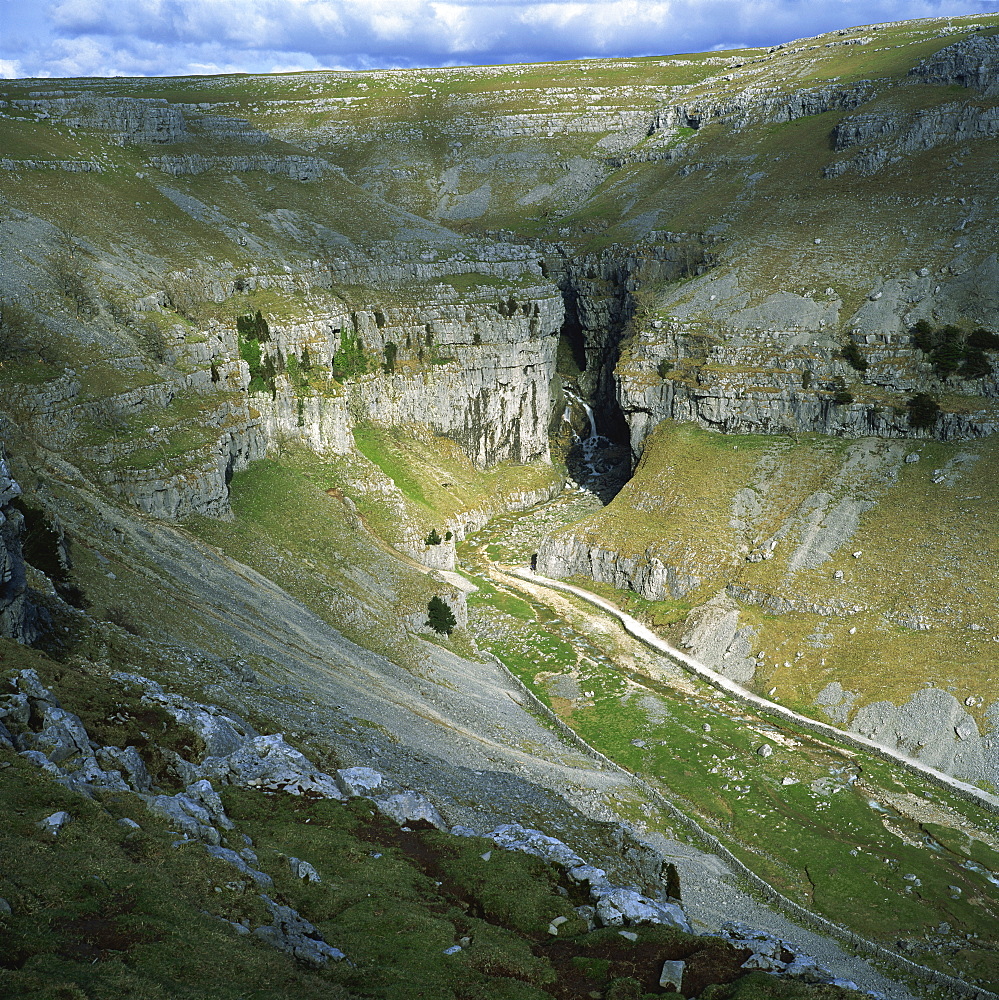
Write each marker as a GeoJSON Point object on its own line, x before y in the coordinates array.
{"type": "Point", "coordinates": [440, 617]}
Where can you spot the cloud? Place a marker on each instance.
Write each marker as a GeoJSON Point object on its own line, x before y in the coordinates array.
{"type": "Point", "coordinates": [113, 37]}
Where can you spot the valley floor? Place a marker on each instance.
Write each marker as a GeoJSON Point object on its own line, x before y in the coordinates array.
{"type": "Point", "coordinates": [631, 699]}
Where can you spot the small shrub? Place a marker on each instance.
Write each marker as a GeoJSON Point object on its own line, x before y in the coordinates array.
{"type": "Point", "coordinates": [922, 336]}
{"type": "Point", "coordinates": [433, 538]}
{"type": "Point", "coordinates": [806, 379]}
{"type": "Point", "coordinates": [118, 307]}
{"type": "Point", "coordinates": [440, 617]}
{"type": "Point", "coordinates": [349, 359]}
{"type": "Point", "coordinates": [983, 340]}
{"type": "Point", "coordinates": [948, 348]}
{"type": "Point", "coordinates": [253, 327]}
{"type": "Point", "coordinates": [947, 358]}
{"type": "Point", "coordinates": [626, 988]}
{"type": "Point", "coordinates": [71, 282]}
{"type": "Point", "coordinates": [841, 395]}
{"type": "Point", "coordinates": [268, 373]}
{"type": "Point", "coordinates": [18, 331]}
{"type": "Point", "coordinates": [150, 339]}
{"type": "Point", "coordinates": [250, 352]}
{"type": "Point", "coordinates": [853, 356]}
{"type": "Point", "coordinates": [390, 351]}
{"type": "Point", "coordinates": [923, 411]}
{"type": "Point", "coordinates": [296, 373]}
{"type": "Point", "coordinates": [976, 363]}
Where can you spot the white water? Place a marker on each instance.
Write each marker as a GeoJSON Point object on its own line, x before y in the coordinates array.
{"type": "Point", "coordinates": [593, 442]}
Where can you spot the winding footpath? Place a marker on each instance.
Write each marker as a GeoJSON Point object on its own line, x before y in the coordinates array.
{"type": "Point", "coordinates": [647, 636]}
{"type": "Point", "coordinates": [801, 915]}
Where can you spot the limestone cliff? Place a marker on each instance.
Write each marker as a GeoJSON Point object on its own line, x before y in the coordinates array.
{"type": "Point", "coordinates": [17, 616]}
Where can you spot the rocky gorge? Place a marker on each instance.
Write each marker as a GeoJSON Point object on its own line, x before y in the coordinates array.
{"type": "Point", "coordinates": [264, 408]}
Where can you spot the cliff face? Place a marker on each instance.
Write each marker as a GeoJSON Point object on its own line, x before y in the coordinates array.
{"type": "Point", "coordinates": [477, 373]}
{"type": "Point", "coordinates": [726, 359]}
{"type": "Point", "coordinates": [971, 62]}
{"type": "Point", "coordinates": [17, 616]}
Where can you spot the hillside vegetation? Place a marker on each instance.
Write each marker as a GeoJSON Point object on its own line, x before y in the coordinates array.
{"type": "Point", "coordinates": [289, 362]}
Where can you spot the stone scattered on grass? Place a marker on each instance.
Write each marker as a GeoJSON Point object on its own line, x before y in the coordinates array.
{"type": "Point", "coordinates": [303, 870]}
{"type": "Point", "coordinates": [358, 780]}
{"type": "Point", "coordinates": [672, 974]}
{"type": "Point", "coordinates": [292, 933]}
{"type": "Point", "coordinates": [411, 807]}
{"type": "Point", "coordinates": [53, 824]}
{"type": "Point", "coordinates": [230, 856]}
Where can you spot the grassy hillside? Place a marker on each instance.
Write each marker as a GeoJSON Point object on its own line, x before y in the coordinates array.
{"type": "Point", "coordinates": [912, 545]}
{"type": "Point", "coordinates": [211, 289]}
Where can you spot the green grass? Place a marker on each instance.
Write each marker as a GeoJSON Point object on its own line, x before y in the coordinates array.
{"type": "Point", "coordinates": [29, 372]}
{"type": "Point", "coordinates": [817, 839]}
{"type": "Point", "coordinates": [291, 524]}
{"type": "Point", "coordinates": [375, 444]}
{"type": "Point", "coordinates": [922, 545]}
{"type": "Point", "coordinates": [437, 478]}
{"type": "Point", "coordinates": [660, 614]}
{"type": "Point", "coordinates": [108, 910]}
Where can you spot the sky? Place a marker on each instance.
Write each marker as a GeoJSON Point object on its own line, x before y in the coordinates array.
{"type": "Point", "coordinates": [57, 38]}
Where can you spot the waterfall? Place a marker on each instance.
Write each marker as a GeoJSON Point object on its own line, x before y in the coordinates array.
{"type": "Point", "coordinates": [594, 442]}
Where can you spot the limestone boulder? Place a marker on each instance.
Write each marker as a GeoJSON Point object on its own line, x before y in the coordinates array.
{"type": "Point", "coordinates": [271, 764]}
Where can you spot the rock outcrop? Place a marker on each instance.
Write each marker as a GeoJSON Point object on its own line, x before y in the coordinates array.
{"type": "Point", "coordinates": [756, 105]}
{"type": "Point", "coordinates": [713, 636]}
{"type": "Point", "coordinates": [70, 166]}
{"type": "Point", "coordinates": [972, 62]}
{"type": "Point", "coordinates": [298, 168]}
{"type": "Point", "coordinates": [129, 120]}
{"type": "Point", "coordinates": [475, 369]}
{"type": "Point", "coordinates": [890, 137]}
{"type": "Point", "coordinates": [933, 727]}
{"type": "Point", "coordinates": [566, 555]}
{"type": "Point", "coordinates": [778, 366]}
{"type": "Point", "coordinates": [18, 619]}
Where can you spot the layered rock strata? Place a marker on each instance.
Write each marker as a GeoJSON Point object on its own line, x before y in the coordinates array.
{"type": "Point", "coordinates": [17, 616]}
{"type": "Point", "coordinates": [477, 372]}
{"type": "Point", "coordinates": [128, 119]}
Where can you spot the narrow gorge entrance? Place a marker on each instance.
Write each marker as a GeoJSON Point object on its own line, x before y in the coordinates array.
{"type": "Point", "coordinates": [589, 431]}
